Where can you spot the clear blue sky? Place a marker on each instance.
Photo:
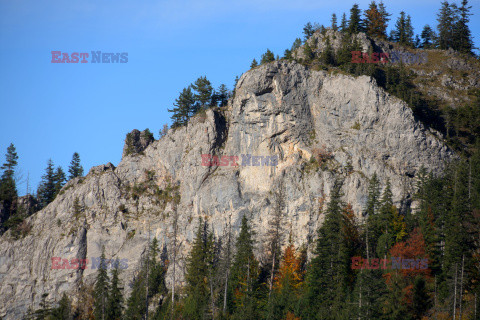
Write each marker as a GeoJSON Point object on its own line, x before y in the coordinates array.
{"type": "Point", "coordinates": [52, 110]}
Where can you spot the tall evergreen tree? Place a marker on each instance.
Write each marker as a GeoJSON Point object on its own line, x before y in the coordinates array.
{"type": "Point", "coordinates": [267, 57]}
{"type": "Point", "coordinates": [375, 23]}
{"type": "Point", "coordinates": [46, 189]}
{"type": "Point", "coordinates": [203, 93]}
{"type": "Point", "coordinates": [308, 31]}
{"type": "Point", "coordinates": [64, 309]}
{"type": "Point", "coordinates": [115, 296]}
{"type": "Point", "coordinates": [75, 169]}
{"type": "Point", "coordinates": [334, 22]}
{"type": "Point", "coordinates": [184, 108]}
{"type": "Point", "coordinates": [355, 24]}
{"type": "Point", "coordinates": [223, 95]}
{"type": "Point", "coordinates": [327, 56]}
{"type": "Point", "coordinates": [384, 14]}
{"type": "Point", "coordinates": [344, 23]}
{"type": "Point", "coordinates": [446, 21]}
{"type": "Point", "coordinates": [197, 276]}
{"type": "Point", "coordinates": [254, 64]}
{"type": "Point", "coordinates": [244, 273]}
{"type": "Point", "coordinates": [8, 187]}
{"type": "Point", "coordinates": [428, 37]}
{"type": "Point", "coordinates": [462, 33]}
{"type": "Point", "coordinates": [328, 273]}
{"type": "Point", "coordinates": [403, 33]}
{"type": "Point", "coordinates": [60, 179]}
{"type": "Point", "coordinates": [101, 290]}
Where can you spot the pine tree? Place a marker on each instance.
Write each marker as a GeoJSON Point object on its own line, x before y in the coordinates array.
{"type": "Point", "coordinates": [427, 36]}
{"type": "Point", "coordinates": [375, 23]}
{"type": "Point", "coordinates": [75, 169]}
{"type": "Point", "coordinates": [462, 33]}
{"type": "Point", "coordinates": [267, 57]}
{"type": "Point", "coordinates": [403, 33]}
{"type": "Point", "coordinates": [384, 14]}
{"type": "Point", "coordinates": [244, 273]}
{"type": "Point", "coordinates": [223, 95]}
{"type": "Point", "coordinates": [296, 44]}
{"type": "Point", "coordinates": [101, 290]}
{"type": "Point", "coordinates": [308, 52]}
{"type": "Point", "coordinates": [446, 22]}
{"type": "Point", "coordinates": [334, 22]}
{"type": "Point", "coordinates": [308, 31]}
{"type": "Point", "coordinates": [8, 188]}
{"type": "Point", "coordinates": [344, 23]}
{"type": "Point", "coordinates": [203, 93]}
{"type": "Point", "coordinates": [184, 108]}
{"type": "Point", "coordinates": [372, 224]}
{"type": "Point", "coordinates": [274, 235]}
{"type": "Point", "coordinates": [60, 179]}
{"type": "Point", "coordinates": [288, 285]}
{"type": "Point", "coordinates": [46, 189]}
{"type": "Point", "coordinates": [327, 275]}
{"type": "Point", "coordinates": [355, 24]}
{"type": "Point", "coordinates": [327, 57]}
{"type": "Point", "coordinates": [197, 276]}
{"type": "Point", "coordinates": [115, 296]}
{"type": "Point", "coordinates": [421, 301]}
{"type": "Point", "coordinates": [136, 302]}
{"type": "Point", "coordinates": [253, 64]}
{"type": "Point", "coordinates": [64, 309]}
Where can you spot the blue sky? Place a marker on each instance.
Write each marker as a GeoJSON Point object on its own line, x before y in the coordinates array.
{"type": "Point", "coordinates": [52, 110]}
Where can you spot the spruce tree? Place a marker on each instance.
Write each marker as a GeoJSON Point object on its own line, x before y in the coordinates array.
{"type": "Point", "coordinates": [267, 57]}
{"type": "Point", "coordinates": [203, 93]}
{"type": "Point", "coordinates": [308, 31]}
{"type": "Point", "coordinates": [60, 179]}
{"type": "Point", "coordinates": [403, 33]}
{"type": "Point", "coordinates": [244, 273]}
{"type": "Point", "coordinates": [101, 290]}
{"type": "Point", "coordinates": [184, 108]}
{"type": "Point", "coordinates": [46, 190]}
{"type": "Point", "coordinates": [8, 188]}
{"type": "Point", "coordinates": [427, 36]}
{"type": "Point", "coordinates": [344, 23]}
{"type": "Point", "coordinates": [384, 14]}
{"type": "Point", "coordinates": [64, 309]}
{"type": "Point", "coordinates": [308, 52]}
{"type": "Point", "coordinates": [334, 22]}
{"type": "Point", "coordinates": [355, 24]}
{"type": "Point", "coordinates": [296, 44]}
{"type": "Point", "coordinates": [328, 271]}
{"type": "Point", "coordinates": [115, 296]}
{"type": "Point", "coordinates": [327, 56]}
{"type": "Point", "coordinates": [75, 169]}
{"type": "Point", "coordinates": [446, 22]}
{"type": "Point", "coordinates": [223, 95]}
{"type": "Point", "coordinates": [253, 64]}
{"type": "Point", "coordinates": [375, 23]}
{"type": "Point", "coordinates": [372, 224]}
{"type": "Point", "coordinates": [197, 275]}
{"type": "Point", "coordinates": [462, 33]}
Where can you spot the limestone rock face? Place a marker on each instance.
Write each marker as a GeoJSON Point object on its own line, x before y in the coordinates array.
{"type": "Point", "coordinates": [286, 125]}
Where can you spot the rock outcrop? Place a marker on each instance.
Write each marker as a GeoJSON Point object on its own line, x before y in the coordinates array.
{"type": "Point", "coordinates": [318, 126]}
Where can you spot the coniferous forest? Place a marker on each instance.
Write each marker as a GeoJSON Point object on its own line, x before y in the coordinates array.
{"type": "Point", "coordinates": [393, 262]}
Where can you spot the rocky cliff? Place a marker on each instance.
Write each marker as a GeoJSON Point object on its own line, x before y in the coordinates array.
{"type": "Point", "coordinates": [299, 128]}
